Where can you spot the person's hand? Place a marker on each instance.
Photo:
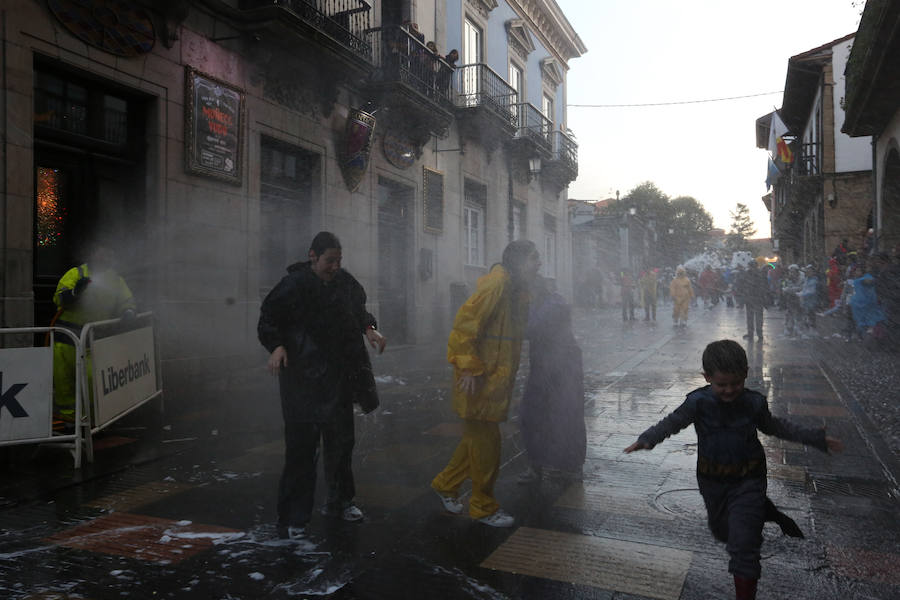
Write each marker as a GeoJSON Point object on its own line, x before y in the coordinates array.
{"type": "Point", "coordinates": [376, 340]}
{"type": "Point", "coordinates": [80, 285]}
{"type": "Point", "coordinates": [636, 446]}
{"type": "Point", "coordinates": [277, 360]}
{"type": "Point", "coordinates": [467, 383]}
{"type": "Point", "coordinates": [834, 444]}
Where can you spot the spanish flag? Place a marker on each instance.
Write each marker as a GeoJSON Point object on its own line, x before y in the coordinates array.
{"type": "Point", "coordinates": [784, 151]}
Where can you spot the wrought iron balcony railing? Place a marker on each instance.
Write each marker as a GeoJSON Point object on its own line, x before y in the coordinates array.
{"type": "Point", "coordinates": [478, 85]}
{"type": "Point", "coordinates": [533, 125]}
{"type": "Point", "coordinates": [401, 57]}
{"type": "Point", "coordinates": [808, 160]}
{"type": "Point", "coordinates": [565, 150]}
{"type": "Point", "coordinates": [345, 21]}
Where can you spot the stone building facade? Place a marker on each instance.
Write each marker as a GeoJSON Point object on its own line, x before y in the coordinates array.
{"type": "Point", "coordinates": [824, 195]}
{"type": "Point", "coordinates": [208, 141]}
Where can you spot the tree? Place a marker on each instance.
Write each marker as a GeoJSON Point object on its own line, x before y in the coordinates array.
{"type": "Point", "coordinates": [690, 226]}
{"type": "Point", "coordinates": [682, 225]}
{"type": "Point", "coordinates": [741, 228]}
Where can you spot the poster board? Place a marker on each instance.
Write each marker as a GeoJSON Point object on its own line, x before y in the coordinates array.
{"type": "Point", "coordinates": [213, 128]}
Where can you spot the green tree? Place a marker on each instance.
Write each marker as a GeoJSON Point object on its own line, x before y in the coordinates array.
{"type": "Point", "coordinates": [690, 225]}
{"type": "Point", "coordinates": [741, 228]}
{"type": "Point", "coordinates": [682, 225]}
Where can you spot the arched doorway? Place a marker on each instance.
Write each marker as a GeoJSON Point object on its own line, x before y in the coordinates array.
{"type": "Point", "coordinates": [890, 201]}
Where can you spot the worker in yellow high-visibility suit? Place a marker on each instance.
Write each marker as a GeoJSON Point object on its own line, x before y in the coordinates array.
{"type": "Point", "coordinates": [484, 348]}
{"type": "Point", "coordinates": [91, 292]}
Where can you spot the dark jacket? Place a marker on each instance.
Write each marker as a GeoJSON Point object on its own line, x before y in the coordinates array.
{"type": "Point", "coordinates": [728, 445]}
{"type": "Point", "coordinates": [753, 287]}
{"type": "Point", "coordinates": [321, 324]}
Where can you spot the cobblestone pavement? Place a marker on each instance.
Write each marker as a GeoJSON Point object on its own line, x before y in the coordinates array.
{"type": "Point", "coordinates": [186, 511]}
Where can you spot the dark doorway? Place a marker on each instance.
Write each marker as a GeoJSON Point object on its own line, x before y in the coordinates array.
{"type": "Point", "coordinates": [394, 12]}
{"type": "Point", "coordinates": [288, 184]}
{"type": "Point", "coordinates": [394, 262]}
{"type": "Point", "coordinates": [890, 203]}
{"type": "Point", "coordinates": [82, 200]}
{"type": "Point", "coordinates": [89, 179]}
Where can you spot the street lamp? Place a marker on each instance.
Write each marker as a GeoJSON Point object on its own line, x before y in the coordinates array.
{"type": "Point", "coordinates": [534, 166]}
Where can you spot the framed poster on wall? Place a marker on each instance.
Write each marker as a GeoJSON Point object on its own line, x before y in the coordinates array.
{"type": "Point", "coordinates": [213, 127]}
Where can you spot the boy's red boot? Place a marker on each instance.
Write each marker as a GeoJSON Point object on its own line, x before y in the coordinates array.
{"type": "Point", "coordinates": [744, 588]}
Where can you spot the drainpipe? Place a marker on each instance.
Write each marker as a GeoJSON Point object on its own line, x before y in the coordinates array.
{"type": "Point", "coordinates": [876, 208]}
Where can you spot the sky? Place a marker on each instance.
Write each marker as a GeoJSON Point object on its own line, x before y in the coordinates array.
{"type": "Point", "coordinates": [658, 51]}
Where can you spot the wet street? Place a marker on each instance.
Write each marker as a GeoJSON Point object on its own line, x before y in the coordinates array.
{"type": "Point", "coordinates": [183, 505]}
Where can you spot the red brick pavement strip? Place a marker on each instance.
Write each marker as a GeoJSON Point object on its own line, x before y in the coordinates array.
{"type": "Point", "coordinates": [141, 537]}
{"type": "Point", "coordinates": [865, 564]}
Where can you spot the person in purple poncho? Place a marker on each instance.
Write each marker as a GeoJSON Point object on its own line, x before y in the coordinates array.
{"type": "Point", "coordinates": [552, 410]}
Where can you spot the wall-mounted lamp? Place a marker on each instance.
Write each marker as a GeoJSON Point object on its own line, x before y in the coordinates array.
{"type": "Point", "coordinates": [632, 211]}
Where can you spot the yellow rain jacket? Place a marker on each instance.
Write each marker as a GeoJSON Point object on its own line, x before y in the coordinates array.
{"type": "Point", "coordinates": [486, 340]}
{"type": "Point", "coordinates": [106, 297]}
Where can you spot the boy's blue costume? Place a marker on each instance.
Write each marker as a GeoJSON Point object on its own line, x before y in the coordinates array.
{"type": "Point", "coordinates": [731, 467]}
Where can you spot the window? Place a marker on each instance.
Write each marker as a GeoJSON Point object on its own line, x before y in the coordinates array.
{"type": "Point", "coordinates": [548, 258]}
{"type": "Point", "coordinates": [472, 39]}
{"type": "Point", "coordinates": [474, 209]}
{"type": "Point", "coordinates": [473, 225]}
{"type": "Point", "coordinates": [516, 221]}
{"type": "Point", "coordinates": [547, 109]}
{"type": "Point", "coordinates": [66, 104]}
{"type": "Point", "coordinates": [516, 82]}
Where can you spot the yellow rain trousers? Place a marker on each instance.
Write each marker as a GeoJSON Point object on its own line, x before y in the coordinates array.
{"type": "Point", "coordinates": [486, 341]}
{"type": "Point", "coordinates": [681, 292]}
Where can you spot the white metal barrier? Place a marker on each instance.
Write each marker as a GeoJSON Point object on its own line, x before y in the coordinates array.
{"type": "Point", "coordinates": [124, 371]}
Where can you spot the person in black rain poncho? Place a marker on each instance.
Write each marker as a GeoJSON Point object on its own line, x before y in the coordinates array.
{"type": "Point", "coordinates": [552, 412]}
{"type": "Point", "coordinates": [313, 322]}
{"type": "Point", "coordinates": [731, 462]}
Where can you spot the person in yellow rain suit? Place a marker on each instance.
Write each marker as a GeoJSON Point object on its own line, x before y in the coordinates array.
{"type": "Point", "coordinates": [681, 292]}
{"type": "Point", "coordinates": [484, 348]}
{"type": "Point", "coordinates": [87, 293]}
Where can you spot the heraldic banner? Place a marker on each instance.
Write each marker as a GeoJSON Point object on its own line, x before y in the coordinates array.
{"type": "Point", "coordinates": [356, 146]}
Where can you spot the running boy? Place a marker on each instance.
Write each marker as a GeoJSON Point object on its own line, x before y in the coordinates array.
{"type": "Point", "coordinates": [731, 462]}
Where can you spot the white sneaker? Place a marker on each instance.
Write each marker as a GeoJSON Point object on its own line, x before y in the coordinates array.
{"type": "Point", "coordinates": [528, 476]}
{"type": "Point", "coordinates": [498, 519]}
{"type": "Point", "coordinates": [348, 513]}
{"type": "Point", "coordinates": [451, 504]}
{"type": "Point", "coordinates": [352, 513]}
{"type": "Point", "coordinates": [296, 533]}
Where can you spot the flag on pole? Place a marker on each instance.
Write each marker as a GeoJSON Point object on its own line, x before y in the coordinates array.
{"type": "Point", "coordinates": [778, 147]}
{"type": "Point", "coordinates": [772, 174]}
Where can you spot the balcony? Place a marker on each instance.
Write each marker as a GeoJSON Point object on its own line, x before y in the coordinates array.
{"type": "Point", "coordinates": [485, 103]}
{"type": "Point", "coordinates": [563, 164]}
{"type": "Point", "coordinates": [337, 25]}
{"type": "Point", "coordinates": [411, 79]}
{"type": "Point", "coordinates": [808, 162]}
{"type": "Point", "coordinates": [533, 131]}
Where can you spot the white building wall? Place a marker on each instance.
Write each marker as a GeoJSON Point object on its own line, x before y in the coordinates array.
{"type": "Point", "coordinates": [850, 153]}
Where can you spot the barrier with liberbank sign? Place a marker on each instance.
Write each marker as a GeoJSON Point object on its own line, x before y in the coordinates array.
{"type": "Point", "coordinates": [26, 392]}
{"type": "Point", "coordinates": [124, 368]}
{"type": "Point", "coordinates": [122, 372]}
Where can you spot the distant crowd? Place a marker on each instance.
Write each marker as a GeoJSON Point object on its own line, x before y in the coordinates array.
{"type": "Point", "coordinates": [859, 288]}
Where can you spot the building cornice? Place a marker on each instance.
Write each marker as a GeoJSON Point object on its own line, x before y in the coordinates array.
{"type": "Point", "coordinates": [548, 22]}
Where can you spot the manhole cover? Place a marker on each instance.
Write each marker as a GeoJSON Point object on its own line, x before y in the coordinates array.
{"type": "Point", "coordinates": [685, 502]}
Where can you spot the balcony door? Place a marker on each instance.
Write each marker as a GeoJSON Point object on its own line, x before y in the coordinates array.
{"type": "Point", "coordinates": [472, 55]}
{"type": "Point", "coordinates": [516, 82]}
